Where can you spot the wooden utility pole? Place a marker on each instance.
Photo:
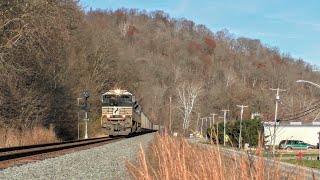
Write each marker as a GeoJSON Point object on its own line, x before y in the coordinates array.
{"type": "Point", "coordinates": [201, 126]}
{"type": "Point", "coordinates": [198, 127]}
{"type": "Point", "coordinates": [211, 126]}
{"type": "Point", "coordinates": [240, 137]}
{"type": "Point", "coordinates": [275, 117]}
{"type": "Point", "coordinates": [170, 120]}
{"type": "Point", "coordinates": [224, 126]}
{"type": "Point", "coordinates": [213, 114]}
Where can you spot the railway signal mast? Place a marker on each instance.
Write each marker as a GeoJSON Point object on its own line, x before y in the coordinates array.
{"type": "Point", "coordinates": [86, 107]}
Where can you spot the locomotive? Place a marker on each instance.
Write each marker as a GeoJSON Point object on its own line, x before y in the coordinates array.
{"type": "Point", "coordinates": [121, 114]}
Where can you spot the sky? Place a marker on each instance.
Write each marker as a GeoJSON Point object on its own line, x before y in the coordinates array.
{"type": "Point", "coordinates": [293, 26]}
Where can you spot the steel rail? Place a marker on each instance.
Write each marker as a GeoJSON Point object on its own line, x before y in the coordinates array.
{"type": "Point", "coordinates": [51, 148]}
{"type": "Point", "coordinates": [30, 150]}
{"type": "Point", "coordinates": [15, 148]}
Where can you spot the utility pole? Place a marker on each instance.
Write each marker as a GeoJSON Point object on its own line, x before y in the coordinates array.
{"type": "Point", "coordinates": [240, 137]}
{"type": "Point", "coordinates": [170, 121]}
{"type": "Point", "coordinates": [319, 146]}
{"type": "Point", "coordinates": [154, 114]}
{"type": "Point", "coordinates": [212, 126]}
{"type": "Point", "coordinates": [78, 104]}
{"type": "Point", "coordinates": [78, 126]}
{"type": "Point", "coordinates": [224, 126]}
{"type": "Point", "coordinates": [275, 117]}
{"type": "Point", "coordinates": [206, 128]}
{"type": "Point", "coordinates": [198, 127]}
{"type": "Point", "coordinates": [210, 121]}
{"type": "Point", "coordinates": [201, 126]}
{"type": "Point", "coordinates": [213, 114]}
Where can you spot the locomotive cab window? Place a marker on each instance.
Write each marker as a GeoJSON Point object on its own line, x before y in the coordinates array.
{"type": "Point", "coordinates": [114, 100]}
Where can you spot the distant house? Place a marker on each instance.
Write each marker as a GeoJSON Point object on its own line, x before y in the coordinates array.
{"type": "Point", "coordinates": [307, 132]}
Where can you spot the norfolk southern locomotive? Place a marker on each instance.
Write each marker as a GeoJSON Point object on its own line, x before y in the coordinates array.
{"type": "Point", "coordinates": [121, 114]}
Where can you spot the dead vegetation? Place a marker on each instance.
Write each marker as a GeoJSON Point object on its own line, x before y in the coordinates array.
{"type": "Point", "coordinates": [17, 137]}
{"type": "Point", "coordinates": [175, 158]}
{"type": "Point", "coordinates": [51, 50]}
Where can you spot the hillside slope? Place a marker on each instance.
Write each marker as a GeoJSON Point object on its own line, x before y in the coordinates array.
{"type": "Point", "coordinates": [50, 51]}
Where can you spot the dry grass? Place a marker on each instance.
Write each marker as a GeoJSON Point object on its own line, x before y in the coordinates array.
{"type": "Point", "coordinates": [37, 135]}
{"type": "Point", "coordinates": [175, 158]}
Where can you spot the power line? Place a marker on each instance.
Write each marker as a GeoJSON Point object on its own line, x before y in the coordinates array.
{"type": "Point", "coordinates": [305, 111]}
{"type": "Point", "coordinates": [301, 115]}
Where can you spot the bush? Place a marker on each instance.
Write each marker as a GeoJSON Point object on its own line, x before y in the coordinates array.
{"type": "Point", "coordinates": [250, 132]}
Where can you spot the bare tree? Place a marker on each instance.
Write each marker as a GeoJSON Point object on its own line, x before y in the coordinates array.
{"type": "Point", "coordinates": [187, 97]}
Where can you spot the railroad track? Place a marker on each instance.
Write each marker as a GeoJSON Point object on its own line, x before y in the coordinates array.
{"type": "Point", "coordinates": [23, 151]}
{"type": "Point", "coordinates": [15, 155]}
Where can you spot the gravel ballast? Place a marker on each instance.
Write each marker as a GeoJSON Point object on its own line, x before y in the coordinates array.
{"type": "Point", "coordinates": [103, 162]}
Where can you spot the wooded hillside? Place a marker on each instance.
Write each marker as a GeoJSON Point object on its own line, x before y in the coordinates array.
{"type": "Point", "coordinates": [51, 50]}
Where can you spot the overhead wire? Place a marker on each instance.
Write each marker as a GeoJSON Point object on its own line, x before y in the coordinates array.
{"type": "Point", "coordinates": [316, 106]}
{"type": "Point", "coordinates": [305, 114]}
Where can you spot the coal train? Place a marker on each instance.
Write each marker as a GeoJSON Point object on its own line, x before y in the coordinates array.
{"type": "Point", "coordinates": [121, 114]}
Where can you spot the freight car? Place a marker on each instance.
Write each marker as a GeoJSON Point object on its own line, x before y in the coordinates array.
{"type": "Point", "coordinates": [121, 114]}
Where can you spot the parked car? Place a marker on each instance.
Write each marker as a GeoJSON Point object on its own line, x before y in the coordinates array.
{"type": "Point", "coordinates": [294, 144]}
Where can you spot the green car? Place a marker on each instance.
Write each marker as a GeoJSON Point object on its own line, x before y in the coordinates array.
{"type": "Point", "coordinates": [294, 144]}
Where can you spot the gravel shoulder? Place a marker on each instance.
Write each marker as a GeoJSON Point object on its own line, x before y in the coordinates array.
{"type": "Point", "coordinates": [103, 162]}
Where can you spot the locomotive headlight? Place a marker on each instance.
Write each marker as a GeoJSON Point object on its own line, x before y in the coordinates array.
{"type": "Point", "coordinates": [117, 91]}
{"type": "Point", "coordinates": [123, 116]}
{"type": "Point", "coordinates": [108, 116]}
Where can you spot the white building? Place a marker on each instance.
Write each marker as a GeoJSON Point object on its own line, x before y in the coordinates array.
{"type": "Point", "coordinates": [307, 132]}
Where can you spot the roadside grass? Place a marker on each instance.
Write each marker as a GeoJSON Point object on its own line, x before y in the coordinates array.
{"type": "Point", "coordinates": [307, 163]}
{"type": "Point", "coordinates": [175, 158]}
{"type": "Point", "coordinates": [284, 156]}
{"type": "Point", "coordinates": [294, 154]}
{"type": "Point", "coordinates": [37, 135]}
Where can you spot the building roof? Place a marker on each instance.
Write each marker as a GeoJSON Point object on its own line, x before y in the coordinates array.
{"type": "Point", "coordinates": [304, 124]}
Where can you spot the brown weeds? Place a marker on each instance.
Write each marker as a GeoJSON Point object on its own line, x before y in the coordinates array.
{"type": "Point", "coordinates": [37, 135]}
{"type": "Point", "coordinates": [176, 158]}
